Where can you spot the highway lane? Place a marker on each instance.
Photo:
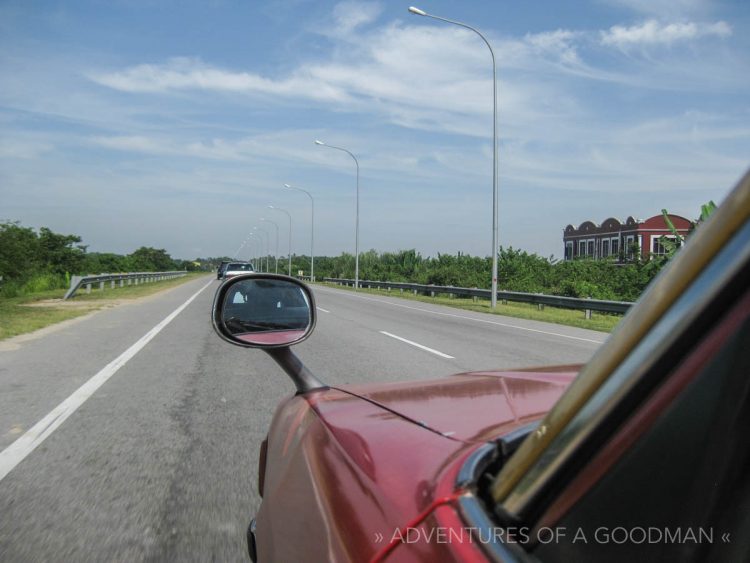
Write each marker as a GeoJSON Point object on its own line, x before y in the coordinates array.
{"type": "Point", "coordinates": [475, 341]}
{"type": "Point", "coordinates": [156, 465]}
{"type": "Point", "coordinates": [37, 371]}
{"type": "Point", "coordinates": [160, 463]}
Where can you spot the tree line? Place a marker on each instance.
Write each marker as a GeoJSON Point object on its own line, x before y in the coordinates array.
{"type": "Point", "coordinates": [32, 261]}
{"type": "Point", "coordinates": [517, 271]}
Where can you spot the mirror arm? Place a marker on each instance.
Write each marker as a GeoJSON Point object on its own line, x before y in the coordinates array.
{"type": "Point", "coordinates": [302, 377]}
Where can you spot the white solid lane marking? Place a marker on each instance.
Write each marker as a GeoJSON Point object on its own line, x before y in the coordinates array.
{"type": "Point", "coordinates": [321, 309]}
{"type": "Point", "coordinates": [23, 446]}
{"type": "Point", "coordinates": [468, 318]}
{"type": "Point", "coordinates": [417, 345]}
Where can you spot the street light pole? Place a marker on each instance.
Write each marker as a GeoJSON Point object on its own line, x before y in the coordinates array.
{"type": "Point", "coordinates": [312, 229]}
{"type": "Point", "coordinates": [234, 256]}
{"type": "Point", "coordinates": [289, 273]}
{"type": "Point", "coordinates": [258, 261]}
{"type": "Point", "coordinates": [356, 222]}
{"type": "Point", "coordinates": [267, 241]}
{"type": "Point", "coordinates": [268, 246]}
{"type": "Point", "coordinates": [276, 256]}
{"type": "Point", "coordinates": [418, 12]}
{"type": "Point", "coordinates": [256, 252]}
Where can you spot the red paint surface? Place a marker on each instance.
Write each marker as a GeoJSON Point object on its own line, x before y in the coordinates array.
{"type": "Point", "coordinates": [341, 469]}
{"type": "Point", "coordinates": [474, 407]}
{"type": "Point", "coordinates": [401, 536]}
{"type": "Point", "coordinates": [273, 338]}
{"type": "Point", "coordinates": [457, 543]}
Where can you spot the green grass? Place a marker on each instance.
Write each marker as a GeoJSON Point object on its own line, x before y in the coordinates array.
{"type": "Point", "coordinates": [599, 321]}
{"type": "Point", "coordinates": [17, 317]}
{"type": "Point", "coordinates": [20, 315]}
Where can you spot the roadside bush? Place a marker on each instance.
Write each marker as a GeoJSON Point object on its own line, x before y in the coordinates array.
{"type": "Point", "coordinates": [147, 259]}
{"type": "Point", "coordinates": [9, 289]}
{"type": "Point", "coordinates": [517, 271]}
{"type": "Point", "coordinates": [34, 284]}
{"type": "Point", "coordinates": [32, 262]}
{"type": "Point", "coordinates": [43, 282]}
{"type": "Point", "coordinates": [105, 262]}
{"type": "Point", "coordinates": [520, 271]}
{"type": "Point", "coordinates": [19, 252]}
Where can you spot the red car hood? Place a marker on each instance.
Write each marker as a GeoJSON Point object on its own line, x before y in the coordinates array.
{"type": "Point", "coordinates": [346, 464]}
{"type": "Point", "coordinates": [475, 406]}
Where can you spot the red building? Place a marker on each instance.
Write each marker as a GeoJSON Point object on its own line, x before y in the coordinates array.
{"type": "Point", "coordinates": [621, 241]}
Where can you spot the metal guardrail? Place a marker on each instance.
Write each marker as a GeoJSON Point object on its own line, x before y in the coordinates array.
{"type": "Point", "coordinates": [588, 305]}
{"type": "Point", "coordinates": [132, 278]}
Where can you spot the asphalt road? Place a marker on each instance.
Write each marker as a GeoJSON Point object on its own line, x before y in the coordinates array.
{"type": "Point", "coordinates": [156, 460]}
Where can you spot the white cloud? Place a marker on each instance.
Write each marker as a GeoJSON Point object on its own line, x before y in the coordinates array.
{"type": "Point", "coordinates": [393, 71]}
{"type": "Point", "coordinates": [556, 44]}
{"type": "Point", "coordinates": [428, 77]}
{"type": "Point", "coordinates": [352, 14]}
{"type": "Point", "coordinates": [284, 146]}
{"type": "Point", "coordinates": [652, 32]}
{"type": "Point", "coordinates": [27, 149]}
{"type": "Point", "coordinates": [134, 143]}
{"type": "Point", "coordinates": [213, 149]}
{"type": "Point", "coordinates": [181, 73]}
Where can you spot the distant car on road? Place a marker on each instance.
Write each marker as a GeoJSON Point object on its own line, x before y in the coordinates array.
{"type": "Point", "coordinates": [220, 269]}
{"type": "Point", "coordinates": [237, 268]}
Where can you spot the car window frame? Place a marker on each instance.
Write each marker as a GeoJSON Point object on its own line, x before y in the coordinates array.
{"type": "Point", "coordinates": [708, 241]}
{"type": "Point", "coordinates": [597, 414]}
{"type": "Point", "coordinates": [632, 440]}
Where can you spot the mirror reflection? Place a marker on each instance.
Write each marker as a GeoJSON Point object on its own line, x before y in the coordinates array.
{"type": "Point", "coordinates": [266, 311]}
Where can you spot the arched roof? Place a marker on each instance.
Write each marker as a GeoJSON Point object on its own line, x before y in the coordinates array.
{"type": "Point", "coordinates": [587, 226]}
{"type": "Point", "coordinates": [611, 223]}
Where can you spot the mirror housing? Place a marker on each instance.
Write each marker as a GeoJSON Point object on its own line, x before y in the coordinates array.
{"type": "Point", "coordinates": [263, 311]}
{"type": "Point", "coordinates": [270, 312]}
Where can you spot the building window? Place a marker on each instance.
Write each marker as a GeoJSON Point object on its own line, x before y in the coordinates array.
{"type": "Point", "coordinates": [590, 250]}
{"type": "Point", "coordinates": [582, 249]}
{"type": "Point", "coordinates": [569, 250]}
{"type": "Point", "coordinates": [657, 246]}
{"type": "Point", "coordinates": [615, 246]}
{"type": "Point", "coordinates": [605, 248]}
{"type": "Point", "coordinates": [630, 247]}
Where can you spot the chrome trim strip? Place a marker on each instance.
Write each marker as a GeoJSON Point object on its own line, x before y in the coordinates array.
{"type": "Point", "coordinates": [510, 441]}
{"type": "Point", "coordinates": [478, 460]}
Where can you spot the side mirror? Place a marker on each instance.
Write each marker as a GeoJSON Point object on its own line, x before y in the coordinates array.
{"type": "Point", "coordinates": [263, 311]}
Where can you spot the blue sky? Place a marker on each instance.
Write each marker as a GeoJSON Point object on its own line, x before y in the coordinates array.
{"type": "Point", "coordinates": [175, 124]}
